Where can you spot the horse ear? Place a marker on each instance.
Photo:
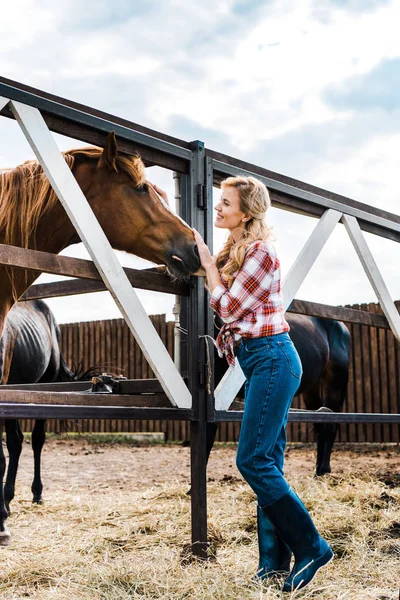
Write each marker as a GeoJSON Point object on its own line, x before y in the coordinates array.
{"type": "Point", "coordinates": [108, 159]}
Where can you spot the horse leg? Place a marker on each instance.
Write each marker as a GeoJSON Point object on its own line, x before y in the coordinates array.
{"type": "Point", "coordinates": [5, 537]}
{"type": "Point", "coordinates": [14, 439]}
{"type": "Point", "coordinates": [335, 386]}
{"type": "Point", "coordinates": [313, 401]}
{"type": "Point", "coordinates": [335, 380]}
{"type": "Point", "coordinates": [38, 439]}
{"type": "Point", "coordinates": [326, 434]}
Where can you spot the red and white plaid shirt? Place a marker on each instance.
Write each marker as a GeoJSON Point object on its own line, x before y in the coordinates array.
{"type": "Point", "coordinates": [253, 306]}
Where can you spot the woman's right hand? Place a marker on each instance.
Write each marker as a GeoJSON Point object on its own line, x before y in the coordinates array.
{"type": "Point", "coordinates": [159, 191]}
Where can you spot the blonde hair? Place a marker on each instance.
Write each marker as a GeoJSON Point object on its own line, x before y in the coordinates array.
{"type": "Point", "coordinates": [254, 202]}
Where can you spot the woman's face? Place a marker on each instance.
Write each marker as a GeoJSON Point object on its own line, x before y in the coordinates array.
{"type": "Point", "coordinates": [229, 216]}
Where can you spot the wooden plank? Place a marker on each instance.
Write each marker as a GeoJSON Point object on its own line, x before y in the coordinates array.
{"type": "Point", "coordinates": [129, 386]}
{"type": "Point", "coordinates": [118, 344]}
{"type": "Point", "coordinates": [309, 416]}
{"type": "Point", "coordinates": [396, 429]}
{"type": "Point", "coordinates": [82, 399]}
{"type": "Point", "coordinates": [383, 376]}
{"type": "Point", "coordinates": [140, 279]}
{"type": "Point", "coordinates": [374, 375]}
{"type": "Point", "coordinates": [46, 411]}
{"type": "Point", "coordinates": [338, 313]}
{"type": "Point", "coordinates": [350, 402]}
{"type": "Point", "coordinates": [92, 343]}
{"type": "Point", "coordinates": [108, 350]}
{"type": "Point", "coordinates": [393, 374]}
{"type": "Point", "coordinates": [366, 377]}
{"type": "Point", "coordinates": [76, 348]}
{"type": "Point", "coordinates": [357, 361]}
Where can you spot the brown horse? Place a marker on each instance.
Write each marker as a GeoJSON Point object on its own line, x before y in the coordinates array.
{"type": "Point", "coordinates": [133, 216]}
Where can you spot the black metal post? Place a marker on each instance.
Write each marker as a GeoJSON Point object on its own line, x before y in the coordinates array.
{"type": "Point", "coordinates": [193, 316]}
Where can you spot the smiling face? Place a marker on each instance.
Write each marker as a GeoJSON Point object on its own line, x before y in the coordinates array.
{"type": "Point", "coordinates": [229, 215]}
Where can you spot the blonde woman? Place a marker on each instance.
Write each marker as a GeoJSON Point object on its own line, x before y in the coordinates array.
{"type": "Point", "coordinates": [244, 282]}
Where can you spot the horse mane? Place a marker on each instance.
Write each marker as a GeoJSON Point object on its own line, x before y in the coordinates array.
{"type": "Point", "coordinates": [26, 193]}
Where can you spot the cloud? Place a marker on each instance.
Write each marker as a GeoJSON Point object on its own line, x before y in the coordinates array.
{"type": "Point", "coordinates": [301, 88]}
{"type": "Point", "coordinates": [356, 5]}
{"type": "Point", "coordinates": [376, 89]}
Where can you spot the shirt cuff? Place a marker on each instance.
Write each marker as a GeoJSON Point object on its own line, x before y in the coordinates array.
{"type": "Point", "coordinates": [218, 292]}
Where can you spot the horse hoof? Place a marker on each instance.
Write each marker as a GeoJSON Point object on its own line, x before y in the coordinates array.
{"type": "Point", "coordinates": [37, 500]}
{"type": "Point", "coordinates": [5, 537]}
{"type": "Point", "coordinates": [322, 472]}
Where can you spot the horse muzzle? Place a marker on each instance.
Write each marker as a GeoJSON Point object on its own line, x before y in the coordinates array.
{"type": "Point", "coordinates": [183, 262]}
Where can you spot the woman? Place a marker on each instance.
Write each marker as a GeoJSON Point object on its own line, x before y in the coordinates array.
{"type": "Point", "coordinates": [244, 282]}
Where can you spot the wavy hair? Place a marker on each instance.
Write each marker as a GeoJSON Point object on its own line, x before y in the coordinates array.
{"type": "Point", "coordinates": [254, 202]}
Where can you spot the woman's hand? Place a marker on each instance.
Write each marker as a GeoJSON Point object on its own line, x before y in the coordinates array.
{"type": "Point", "coordinates": [207, 261]}
{"type": "Point", "coordinates": [205, 257]}
{"type": "Point", "coordinates": [159, 191]}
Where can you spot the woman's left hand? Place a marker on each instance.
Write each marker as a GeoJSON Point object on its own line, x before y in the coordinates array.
{"type": "Point", "coordinates": [205, 257]}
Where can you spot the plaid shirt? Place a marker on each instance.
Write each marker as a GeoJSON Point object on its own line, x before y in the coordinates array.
{"type": "Point", "coordinates": [252, 307]}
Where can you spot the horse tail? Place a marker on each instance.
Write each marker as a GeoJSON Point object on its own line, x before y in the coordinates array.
{"type": "Point", "coordinates": [339, 358]}
{"type": "Point", "coordinates": [77, 372]}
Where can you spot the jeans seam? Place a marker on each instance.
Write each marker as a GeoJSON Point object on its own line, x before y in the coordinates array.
{"type": "Point", "coordinates": [280, 346]}
{"type": "Point", "coordinates": [260, 426]}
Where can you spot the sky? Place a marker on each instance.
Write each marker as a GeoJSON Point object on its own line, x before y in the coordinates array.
{"type": "Point", "coordinates": [306, 88]}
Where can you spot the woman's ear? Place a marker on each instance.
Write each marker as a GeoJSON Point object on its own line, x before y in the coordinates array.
{"type": "Point", "coordinates": [246, 218]}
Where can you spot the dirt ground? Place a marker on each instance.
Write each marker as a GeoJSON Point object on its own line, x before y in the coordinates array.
{"type": "Point", "coordinates": [78, 464]}
{"type": "Point", "coordinates": [116, 521]}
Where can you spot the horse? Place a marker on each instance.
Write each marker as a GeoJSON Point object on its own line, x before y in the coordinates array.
{"type": "Point", "coordinates": [32, 339]}
{"type": "Point", "coordinates": [324, 349]}
{"type": "Point", "coordinates": [133, 216]}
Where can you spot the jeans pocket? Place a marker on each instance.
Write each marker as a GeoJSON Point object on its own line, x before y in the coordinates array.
{"type": "Point", "coordinates": [253, 345]}
{"type": "Point", "coordinates": [292, 358]}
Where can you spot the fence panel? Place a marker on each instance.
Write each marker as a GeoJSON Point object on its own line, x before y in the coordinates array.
{"type": "Point", "coordinates": [374, 384]}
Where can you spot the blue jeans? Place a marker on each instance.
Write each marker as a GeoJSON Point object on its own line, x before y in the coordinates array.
{"type": "Point", "coordinates": [273, 372]}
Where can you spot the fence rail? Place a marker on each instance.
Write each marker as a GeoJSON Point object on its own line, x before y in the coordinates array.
{"type": "Point", "coordinates": [374, 382]}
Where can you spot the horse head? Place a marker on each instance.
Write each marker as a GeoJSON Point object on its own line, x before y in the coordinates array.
{"type": "Point", "coordinates": [133, 216]}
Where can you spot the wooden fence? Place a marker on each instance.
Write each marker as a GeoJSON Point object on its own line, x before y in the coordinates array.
{"type": "Point", "coordinates": [373, 384]}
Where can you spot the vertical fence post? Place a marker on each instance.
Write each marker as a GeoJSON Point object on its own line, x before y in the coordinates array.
{"type": "Point", "coordinates": [193, 318]}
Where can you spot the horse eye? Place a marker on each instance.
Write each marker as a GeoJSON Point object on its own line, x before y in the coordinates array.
{"type": "Point", "coordinates": [142, 189]}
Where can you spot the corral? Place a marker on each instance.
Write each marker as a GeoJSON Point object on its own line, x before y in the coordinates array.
{"type": "Point", "coordinates": [199, 170]}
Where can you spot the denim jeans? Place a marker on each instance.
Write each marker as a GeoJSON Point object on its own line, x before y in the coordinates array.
{"type": "Point", "coordinates": [273, 372]}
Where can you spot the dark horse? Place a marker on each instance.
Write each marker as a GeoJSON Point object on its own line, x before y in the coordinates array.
{"type": "Point", "coordinates": [133, 216]}
{"type": "Point", "coordinates": [324, 349]}
{"type": "Point", "coordinates": [31, 338]}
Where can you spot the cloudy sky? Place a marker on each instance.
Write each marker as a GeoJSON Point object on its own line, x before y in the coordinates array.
{"type": "Point", "coordinates": [307, 88]}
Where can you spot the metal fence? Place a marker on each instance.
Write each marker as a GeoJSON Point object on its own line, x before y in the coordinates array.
{"type": "Point", "coordinates": [374, 382]}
